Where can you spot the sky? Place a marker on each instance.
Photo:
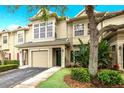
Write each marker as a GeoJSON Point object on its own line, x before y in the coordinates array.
{"type": "Point", "coordinates": [10, 20]}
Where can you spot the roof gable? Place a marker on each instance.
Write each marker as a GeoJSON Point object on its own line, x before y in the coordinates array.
{"type": "Point", "coordinates": [83, 13]}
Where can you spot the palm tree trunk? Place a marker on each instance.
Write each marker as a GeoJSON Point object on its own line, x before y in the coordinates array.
{"type": "Point", "coordinates": [93, 59]}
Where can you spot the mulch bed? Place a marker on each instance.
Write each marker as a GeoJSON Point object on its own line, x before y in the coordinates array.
{"type": "Point", "coordinates": [93, 84]}
{"type": "Point", "coordinates": [76, 84]}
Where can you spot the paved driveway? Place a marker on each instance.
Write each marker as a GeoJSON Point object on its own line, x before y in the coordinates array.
{"type": "Point", "coordinates": [11, 78]}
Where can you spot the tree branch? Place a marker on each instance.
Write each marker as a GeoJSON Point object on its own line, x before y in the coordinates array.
{"type": "Point", "coordinates": [110, 28]}
{"type": "Point", "coordinates": [109, 15]}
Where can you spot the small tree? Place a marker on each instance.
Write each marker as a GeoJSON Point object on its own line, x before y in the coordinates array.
{"type": "Point", "coordinates": [2, 57]}
{"type": "Point", "coordinates": [83, 54]}
{"type": "Point", "coordinates": [104, 51]}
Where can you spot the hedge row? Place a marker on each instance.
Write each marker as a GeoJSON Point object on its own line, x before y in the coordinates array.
{"type": "Point", "coordinates": [8, 67]}
{"type": "Point", "coordinates": [10, 62]}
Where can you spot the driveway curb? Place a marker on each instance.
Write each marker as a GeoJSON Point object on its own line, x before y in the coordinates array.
{"type": "Point", "coordinates": [34, 81]}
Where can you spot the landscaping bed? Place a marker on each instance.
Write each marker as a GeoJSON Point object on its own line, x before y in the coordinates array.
{"type": "Point", "coordinates": [79, 78]}
{"type": "Point", "coordinates": [94, 84]}
{"type": "Point", "coordinates": [76, 84]}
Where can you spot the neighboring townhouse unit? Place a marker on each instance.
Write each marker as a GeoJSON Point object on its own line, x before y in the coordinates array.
{"type": "Point", "coordinates": [50, 43]}
{"type": "Point", "coordinates": [8, 39]}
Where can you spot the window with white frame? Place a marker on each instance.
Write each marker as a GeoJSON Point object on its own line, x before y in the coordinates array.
{"type": "Point", "coordinates": [4, 39]}
{"type": "Point", "coordinates": [43, 30]}
{"type": "Point", "coordinates": [20, 38]}
{"type": "Point", "coordinates": [36, 31]}
{"type": "Point", "coordinates": [79, 29]}
{"type": "Point", "coordinates": [49, 29]}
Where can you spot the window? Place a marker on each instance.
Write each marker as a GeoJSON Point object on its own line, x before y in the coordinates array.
{"type": "Point", "coordinates": [79, 29]}
{"type": "Point", "coordinates": [36, 31]}
{"type": "Point", "coordinates": [43, 30]}
{"type": "Point", "coordinates": [4, 39]}
{"type": "Point", "coordinates": [49, 29]}
{"type": "Point", "coordinates": [20, 38]}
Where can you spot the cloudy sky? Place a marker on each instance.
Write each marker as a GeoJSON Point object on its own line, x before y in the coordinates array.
{"type": "Point", "coordinates": [9, 20]}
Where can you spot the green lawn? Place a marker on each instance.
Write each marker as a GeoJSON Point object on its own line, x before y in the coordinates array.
{"type": "Point", "coordinates": [56, 80]}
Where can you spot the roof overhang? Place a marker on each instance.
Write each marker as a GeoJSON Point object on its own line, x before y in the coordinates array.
{"type": "Point", "coordinates": [84, 17]}
{"type": "Point", "coordinates": [15, 30]}
{"type": "Point", "coordinates": [56, 42]}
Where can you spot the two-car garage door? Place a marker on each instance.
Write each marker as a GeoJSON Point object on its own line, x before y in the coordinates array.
{"type": "Point", "coordinates": [40, 58]}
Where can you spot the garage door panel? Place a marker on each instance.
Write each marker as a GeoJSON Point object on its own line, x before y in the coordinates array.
{"type": "Point", "coordinates": [40, 58]}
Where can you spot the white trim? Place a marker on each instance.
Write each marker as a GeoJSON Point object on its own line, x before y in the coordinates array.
{"type": "Point", "coordinates": [32, 50]}
{"type": "Point", "coordinates": [20, 57]}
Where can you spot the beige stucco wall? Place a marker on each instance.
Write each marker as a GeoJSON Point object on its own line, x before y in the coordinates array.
{"type": "Point", "coordinates": [70, 32]}
{"type": "Point", "coordinates": [28, 34]}
{"type": "Point", "coordinates": [61, 29]}
{"type": "Point", "coordinates": [116, 20]}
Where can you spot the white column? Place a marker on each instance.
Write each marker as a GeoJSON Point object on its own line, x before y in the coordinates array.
{"type": "Point", "coordinates": [20, 57]}
{"type": "Point", "coordinates": [120, 56]}
{"type": "Point", "coordinates": [30, 58]}
{"type": "Point", "coordinates": [63, 56]}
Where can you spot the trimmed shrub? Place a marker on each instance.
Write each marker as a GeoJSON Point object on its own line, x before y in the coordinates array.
{"type": "Point", "coordinates": [80, 74]}
{"type": "Point", "coordinates": [8, 67]}
{"type": "Point", "coordinates": [11, 62]}
{"type": "Point", "coordinates": [109, 77]}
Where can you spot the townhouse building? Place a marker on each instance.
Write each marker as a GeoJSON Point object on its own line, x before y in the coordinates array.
{"type": "Point", "coordinates": [50, 43]}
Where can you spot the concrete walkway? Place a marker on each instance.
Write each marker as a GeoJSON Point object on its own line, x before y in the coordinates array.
{"type": "Point", "coordinates": [34, 81]}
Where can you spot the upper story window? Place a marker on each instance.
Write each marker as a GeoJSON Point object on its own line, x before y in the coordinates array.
{"type": "Point", "coordinates": [20, 37]}
{"type": "Point", "coordinates": [79, 29]}
{"type": "Point", "coordinates": [43, 30]}
{"type": "Point", "coordinates": [4, 39]}
{"type": "Point", "coordinates": [36, 31]}
{"type": "Point", "coordinates": [49, 29]}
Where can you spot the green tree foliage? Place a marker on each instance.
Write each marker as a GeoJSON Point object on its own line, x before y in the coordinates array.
{"type": "Point", "coordinates": [104, 51]}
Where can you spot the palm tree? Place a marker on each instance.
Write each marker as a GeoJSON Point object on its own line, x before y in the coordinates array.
{"type": "Point", "coordinates": [95, 34]}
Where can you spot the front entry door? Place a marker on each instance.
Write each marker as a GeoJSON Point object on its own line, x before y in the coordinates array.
{"type": "Point", "coordinates": [58, 57]}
